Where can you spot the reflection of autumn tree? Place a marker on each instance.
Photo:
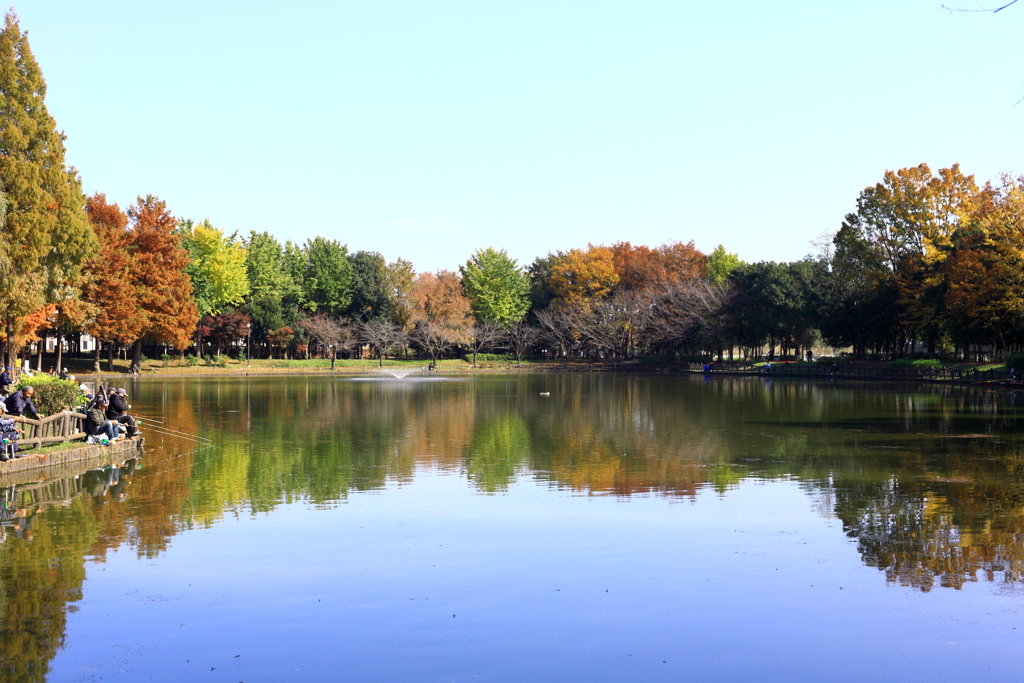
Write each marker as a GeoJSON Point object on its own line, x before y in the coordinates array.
{"type": "Point", "coordinates": [946, 519]}
{"type": "Point", "coordinates": [42, 568]}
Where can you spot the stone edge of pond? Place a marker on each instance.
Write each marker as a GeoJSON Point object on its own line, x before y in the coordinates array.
{"type": "Point", "coordinates": [33, 466]}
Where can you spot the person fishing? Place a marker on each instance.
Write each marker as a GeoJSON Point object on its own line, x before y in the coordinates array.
{"type": "Point", "coordinates": [97, 423]}
{"type": "Point", "coordinates": [8, 435]}
{"type": "Point", "coordinates": [117, 410]}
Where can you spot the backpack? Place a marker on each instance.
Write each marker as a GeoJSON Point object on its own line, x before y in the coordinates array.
{"type": "Point", "coordinates": [8, 437]}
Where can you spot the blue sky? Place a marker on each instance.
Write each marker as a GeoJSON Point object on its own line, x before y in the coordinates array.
{"type": "Point", "coordinates": [427, 130]}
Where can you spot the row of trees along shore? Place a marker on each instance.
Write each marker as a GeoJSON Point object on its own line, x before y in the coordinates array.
{"type": "Point", "coordinates": [928, 258]}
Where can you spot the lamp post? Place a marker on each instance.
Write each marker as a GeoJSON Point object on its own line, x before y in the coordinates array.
{"type": "Point", "coordinates": [248, 333]}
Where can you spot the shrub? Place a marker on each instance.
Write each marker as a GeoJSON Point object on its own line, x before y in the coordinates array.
{"type": "Point", "coordinates": [494, 356]}
{"type": "Point", "coordinates": [191, 360]}
{"type": "Point", "coordinates": [143, 358]}
{"type": "Point", "coordinates": [920, 364]}
{"type": "Point", "coordinates": [52, 394]}
{"type": "Point", "coordinates": [1016, 361]}
{"type": "Point", "coordinates": [166, 358]}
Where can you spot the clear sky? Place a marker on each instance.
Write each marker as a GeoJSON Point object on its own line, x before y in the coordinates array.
{"type": "Point", "coordinates": [427, 130]}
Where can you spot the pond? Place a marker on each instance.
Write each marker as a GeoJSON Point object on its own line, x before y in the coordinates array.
{"type": "Point", "coordinates": [622, 528]}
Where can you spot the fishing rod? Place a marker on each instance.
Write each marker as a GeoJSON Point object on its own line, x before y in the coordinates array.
{"type": "Point", "coordinates": [176, 432]}
{"type": "Point", "coordinates": [147, 417]}
{"type": "Point", "coordinates": [182, 436]}
{"type": "Point", "coordinates": [161, 422]}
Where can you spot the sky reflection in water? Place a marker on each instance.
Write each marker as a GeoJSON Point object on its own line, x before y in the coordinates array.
{"type": "Point", "coordinates": [624, 528]}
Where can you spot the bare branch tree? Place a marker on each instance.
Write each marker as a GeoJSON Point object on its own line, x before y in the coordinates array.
{"type": "Point", "coordinates": [433, 338]}
{"type": "Point", "coordinates": [483, 336]}
{"type": "Point", "coordinates": [618, 323]}
{"type": "Point", "coordinates": [561, 327]}
{"type": "Point", "coordinates": [691, 313]}
{"type": "Point", "coordinates": [399, 341]}
{"type": "Point", "coordinates": [379, 334]}
{"type": "Point", "coordinates": [329, 332]}
{"type": "Point", "coordinates": [521, 338]}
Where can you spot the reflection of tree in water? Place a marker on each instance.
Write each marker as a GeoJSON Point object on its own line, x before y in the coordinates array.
{"type": "Point", "coordinates": [47, 531]}
{"type": "Point", "coordinates": [955, 518]}
{"type": "Point", "coordinates": [499, 450]}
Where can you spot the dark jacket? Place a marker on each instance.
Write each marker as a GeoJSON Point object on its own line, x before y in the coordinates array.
{"type": "Point", "coordinates": [19, 404]}
{"type": "Point", "coordinates": [5, 378]}
{"type": "Point", "coordinates": [118, 407]}
{"type": "Point", "coordinates": [96, 417]}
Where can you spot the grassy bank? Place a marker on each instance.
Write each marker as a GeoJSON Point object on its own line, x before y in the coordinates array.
{"type": "Point", "coordinates": [280, 366]}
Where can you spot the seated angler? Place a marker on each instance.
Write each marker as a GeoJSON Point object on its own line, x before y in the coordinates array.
{"type": "Point", "coordinates": [97, 423]}
{"type": "Point", "coordinates": [118, 411]}
{"type": "Point", "coordinates": [8, 435]}
{"type": "Point", "coordinates": [20, 403]}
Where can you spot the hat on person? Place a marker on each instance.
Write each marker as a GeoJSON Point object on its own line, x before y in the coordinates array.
{"type": "Point", "coordinates": [122, 392]}
{"type": "Point", "coordinates": [89, 396]}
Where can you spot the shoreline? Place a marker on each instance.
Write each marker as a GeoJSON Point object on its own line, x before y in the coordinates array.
{"type": "Point", "coordinates": [989, 378]}
{"type": "Point", "coordinates": [68, 461]}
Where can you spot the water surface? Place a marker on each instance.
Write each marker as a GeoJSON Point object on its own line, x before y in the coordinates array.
{"type": "Point", "coordinates": [624, 528]}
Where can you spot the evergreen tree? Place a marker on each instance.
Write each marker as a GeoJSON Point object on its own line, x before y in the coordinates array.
{"type": "Point", "coordinates": [46, 235]}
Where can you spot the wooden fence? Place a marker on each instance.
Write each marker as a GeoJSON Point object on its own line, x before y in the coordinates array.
{"type": "Point", "coordinates": [55, 428]}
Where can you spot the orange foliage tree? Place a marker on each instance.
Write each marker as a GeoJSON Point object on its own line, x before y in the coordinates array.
{"type": "Point", "coordinates": [641, 267]}
{"type": "Point", "coordinates": [441, 310]}
{"type": "Point", "coordinates": [109, 285]}
{"type": "Point", "coordinates": [580, 276]}
{"type": "Point", "coordinates": [167, 311]}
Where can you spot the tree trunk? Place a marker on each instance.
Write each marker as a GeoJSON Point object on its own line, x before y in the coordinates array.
{"type": "Point", "coordinates": [40, 345]}
{"type": "Point", "coordinates": [137, 355]}
{"type": "Point", "coordinates": [96, 358]}
{"type": "Point", "coordinates": [199, 344]}
{"type": "Point", "coordinates": [60, 347]}
{"type": "Point", "coordinates": [110, 356]}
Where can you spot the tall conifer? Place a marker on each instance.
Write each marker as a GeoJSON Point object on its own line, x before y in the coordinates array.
{"type": "Point", "coordinates": [46, 233]}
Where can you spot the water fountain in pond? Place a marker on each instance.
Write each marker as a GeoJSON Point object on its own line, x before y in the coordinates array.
{"type": "Point", "coordinates": [398, 373]}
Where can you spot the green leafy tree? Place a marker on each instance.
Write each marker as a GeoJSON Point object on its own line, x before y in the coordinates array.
{"type": "Point", "coordinates": [328, 276]}
{"type": "Point", "coordinates": [720, 264]}
{"type": "Point", "coordinates": [539, 273]}
{"type": "Point", "coordinates": [497, 287]}
{"type": "Point", "coordinates": [400, 279]}
{"type": "Point", "coordinates": [217, 266]}
{"type": "Point", "coordinates": [370, 295]}
{"type": "Point", "coordinates": [275, 297]}
{"type": "Point", "coordinates": [46, 236]}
